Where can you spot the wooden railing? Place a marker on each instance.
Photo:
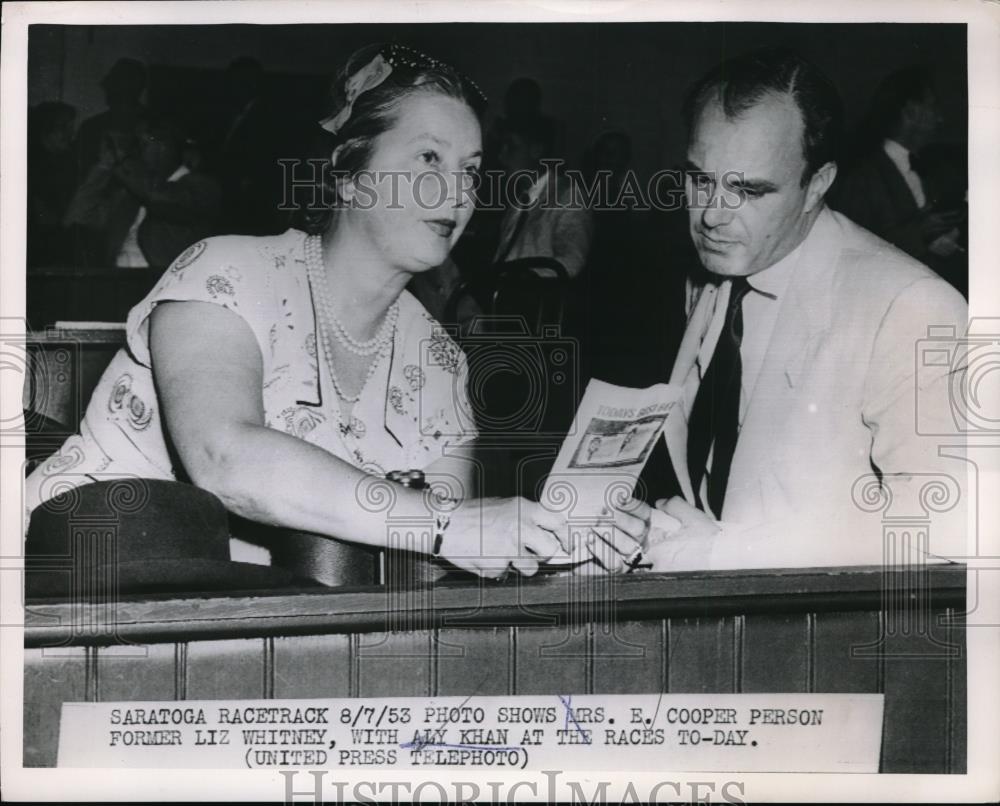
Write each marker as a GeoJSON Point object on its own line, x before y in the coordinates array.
{"type": "Point", "coordinates": [821, 630]}
{"type": "Point", "coordinates": [74, 293]}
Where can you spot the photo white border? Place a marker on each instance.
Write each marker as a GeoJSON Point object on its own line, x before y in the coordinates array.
{"type": "Point", "coordinates": [981, 783]}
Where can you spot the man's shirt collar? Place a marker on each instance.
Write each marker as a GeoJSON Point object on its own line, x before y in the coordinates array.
{"type": "Point", "coordinates": [773, 281]}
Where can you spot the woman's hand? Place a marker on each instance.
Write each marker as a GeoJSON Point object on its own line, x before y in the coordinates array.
{"type": "Point", "coordinates": [486, 536]}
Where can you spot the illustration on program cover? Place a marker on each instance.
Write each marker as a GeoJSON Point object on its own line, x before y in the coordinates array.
{"type": "Point", "coordinates": [615, 443]}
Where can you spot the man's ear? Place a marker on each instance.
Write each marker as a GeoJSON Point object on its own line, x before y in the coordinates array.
{"type": "Point", "coordinates": [819, 184]}
{"type": "Point", "coordinates": [345, 186]}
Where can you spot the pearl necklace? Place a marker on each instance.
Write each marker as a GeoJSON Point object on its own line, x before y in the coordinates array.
{"type": "Point", "coordinates": [328, 323]}
{"type": "Point", "coordinates": [314, 261]}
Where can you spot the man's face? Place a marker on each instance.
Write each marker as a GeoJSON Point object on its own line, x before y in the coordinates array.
{"type": "Point", "coordinates": [923, 119]}
{"type": "Point", "coordinates": [517, 154]}
{"type": "Point", "coordinates": [747, 206]}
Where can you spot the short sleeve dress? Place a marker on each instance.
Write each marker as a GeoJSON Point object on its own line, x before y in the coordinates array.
{"type": "Point", "coordinates": [411, 411]}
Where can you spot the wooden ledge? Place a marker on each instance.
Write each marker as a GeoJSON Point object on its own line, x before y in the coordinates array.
{"type": "Point", "coordinates": [523, 602]}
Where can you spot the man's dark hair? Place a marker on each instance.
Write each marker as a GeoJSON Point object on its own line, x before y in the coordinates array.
{"type": "Point", "coordinates": [894, 92]}
{"type": "Point", "coordinates": [537, 130]}
{"type": "Point", "coordinates": [740, 83]}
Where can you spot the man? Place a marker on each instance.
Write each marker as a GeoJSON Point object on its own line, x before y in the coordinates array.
{"type": "Point", "coordinates": [550, 218]}
{"type": "Point", "coordinates": [104, 140]}
{"type": "Point", "coordinates": [117, 127]}
{"type": "Point", "coordinates": [798, 364]}
{"type": "Point", "coordinates": [884, 191]}
{"type": "Point", "coordinates": [171, 202]}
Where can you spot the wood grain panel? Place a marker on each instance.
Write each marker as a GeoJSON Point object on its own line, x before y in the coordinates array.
{"type": "Point", "coordinates": [312, 666]}
{"type": "Point", "coordinates": [395, 664]}
{"type": "Point", "coordinates": [843, 660]}
{"type": "Point", "coordinates": [958, 707]}
{"type": "Point", "coordinates": [132, 673]}
{"type": "Point", "coordinates": [916, 704]}
{"type": "Point", "coordinates": [218, 670]}
{"type": "Point", "coordinates": [775, 653]}
{"type": "Point", "coordinates": [50, 678]}
{"type": "Point", "coordinates": [475, 661]}
{"type": "Point", "coordinates": [701, 656]}
{"type": "Point", "coordinates": [551, 660]}
{"type": "Point", "coordinates": [629, 657]}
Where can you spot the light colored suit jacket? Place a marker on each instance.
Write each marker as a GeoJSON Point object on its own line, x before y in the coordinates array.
{"type": "Point", "coordinates": [845, 411]}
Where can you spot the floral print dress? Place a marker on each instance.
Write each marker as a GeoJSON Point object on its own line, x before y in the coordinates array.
{"type": "Point", "coordinates": [411, 410]}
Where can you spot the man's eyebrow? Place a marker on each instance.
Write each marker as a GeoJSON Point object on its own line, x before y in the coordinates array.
{"type": "Point", "coordinates": [737, 182]}
{"type": "Point", "coordinates": [690, 167]}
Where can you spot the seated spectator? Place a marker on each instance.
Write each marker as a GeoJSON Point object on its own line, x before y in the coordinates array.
{"type": "Point", "coordinates": [944, 168]}
{"type": "Point", "coordinates": [179, 203]}
{"type": "Point", "coordinates": [99, 204]}
{"type": "Point", "coordinates": [548, 216]}
{"type": "Point", "coordinates": [118, 126]}
{"type": "Point", "coordinates": [882, 191]}
{"type": "Point", "coordinates": [143, 209]}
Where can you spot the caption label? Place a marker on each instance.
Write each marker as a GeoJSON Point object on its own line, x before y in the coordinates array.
{"type": "Point", "coordinates": [724, 732]}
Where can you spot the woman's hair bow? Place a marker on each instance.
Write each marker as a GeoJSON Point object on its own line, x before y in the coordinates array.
{"type": "Point", "coordinates": [368, 77]}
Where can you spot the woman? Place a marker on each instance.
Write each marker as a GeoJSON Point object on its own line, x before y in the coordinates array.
{"type": "Point", "coordinates": [289, 374]}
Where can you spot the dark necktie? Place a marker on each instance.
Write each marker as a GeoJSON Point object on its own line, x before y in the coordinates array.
{"type": "Point", "coordinates": [715, 415]}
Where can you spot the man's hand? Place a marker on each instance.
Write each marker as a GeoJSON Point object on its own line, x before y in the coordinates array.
{"type": "Point", "coordinates": [946, 245]}
{"type": "Point", "coordinates": [693, 534]}
{"type": "Point", "coordinates": [934, 223]}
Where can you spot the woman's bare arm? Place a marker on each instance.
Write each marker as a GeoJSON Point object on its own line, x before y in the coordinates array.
{"type": "Point", "coordinates": [208, 371]}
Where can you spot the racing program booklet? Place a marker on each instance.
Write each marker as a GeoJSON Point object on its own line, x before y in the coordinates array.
{"type": "Point", "coordinates": [614, 432]}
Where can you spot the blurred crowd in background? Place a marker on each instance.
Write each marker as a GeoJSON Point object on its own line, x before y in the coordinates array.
{"type": "Point", "coordinates": [134, 185]}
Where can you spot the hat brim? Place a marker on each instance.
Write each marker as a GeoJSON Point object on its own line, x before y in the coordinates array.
{"type": "Point", "coordinates": [159, 576]}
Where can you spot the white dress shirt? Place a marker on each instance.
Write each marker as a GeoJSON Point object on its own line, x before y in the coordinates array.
{"type": "Point", "coordinates": [554, 221]}
{"type": "Point", "coordinates": [130, 255]}
{"type": "Point", "coordinates": [760, 314]}
{"type": "Point", "coordinates": [900, 157]}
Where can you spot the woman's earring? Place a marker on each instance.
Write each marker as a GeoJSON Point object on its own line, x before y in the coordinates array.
{"type": "Point", "coordinates": [345, 186]}
{"type": "Point", "coordinates": [346, 189]}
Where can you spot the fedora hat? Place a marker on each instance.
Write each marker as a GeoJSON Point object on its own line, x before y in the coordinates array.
{"type": "Point", "coordinates": [135, 536]}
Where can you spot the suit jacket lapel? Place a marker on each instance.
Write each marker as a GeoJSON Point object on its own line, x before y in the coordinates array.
{"type": "Point", "coordinates": [687, 374]}
{"type": "Point", "coordinates": [804, 315]}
